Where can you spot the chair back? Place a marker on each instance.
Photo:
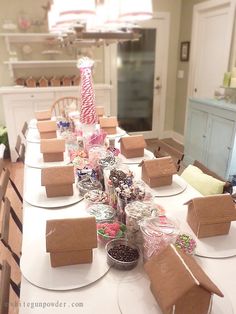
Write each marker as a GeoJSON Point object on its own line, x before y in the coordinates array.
{"type": "Point", "coordinates": [163, 149]}
{"type": "Point", "coordinates": [20, 149]}
{"type": "Point", "coordinates": [4, 287]}
{"type": "Point", "coordinates": [2, 150]}
{"type": "Point", "coordinates": [60, 106]}
{"type": "Point", "coordinates": [24, 129]}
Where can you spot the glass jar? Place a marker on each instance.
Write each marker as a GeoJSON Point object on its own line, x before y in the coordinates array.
{"type": "Point", "coordinates": [95, 153]}
{"type": "Point", "coordinates": [88, 184]}
{"type": "Point", "coordinates": [135, 212]}
{"type": "Point", "coordinates": [102, 212]}
{"type": "Point", "coordinates": [158, 233]}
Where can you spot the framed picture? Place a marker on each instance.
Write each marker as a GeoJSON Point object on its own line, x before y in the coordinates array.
{"type": "Point", "coordinates": [184, 50]}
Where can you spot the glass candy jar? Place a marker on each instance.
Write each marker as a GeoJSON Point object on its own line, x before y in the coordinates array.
{"type": "Point", "coordinates": [157, 233]}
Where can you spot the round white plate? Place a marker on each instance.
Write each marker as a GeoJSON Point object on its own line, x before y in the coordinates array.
{"type": "Point", "coordinates": [137, 160]}
{"type": "Point", "coordinates": [178, 186]}
{"type": "Point", "coordinates": [212, 247]}
{"type": "Point", "coordinates": [36, 268]}
{"type": "Point", "coordinates": [34, 159]}
{"type": "Point", "coordinates": [139, 294]}
{"type": "Point", "coordinates": [119, 133]}
{"type": "Point", "coordinates": [35, 194]}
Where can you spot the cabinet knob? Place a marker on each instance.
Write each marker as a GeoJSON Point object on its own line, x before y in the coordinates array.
{"type": "Point", "coordinates": [204, 136]}
{"type": "Point", "coordinates": [229, 148]}
{"type": "Point", "coordinates": [32, 96]}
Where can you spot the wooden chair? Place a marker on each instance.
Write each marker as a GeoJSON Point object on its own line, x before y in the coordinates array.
{"type": "Point", "coordinates": [20, 149]}
{"type": "Point", "coordinates": [24, 129]}
{"type": "Point", "coordinates": [228, 188]}
{"type": "Point", "coordinates": [4, 179]}
{"type": "Point", "coordinates": [60, 106]}
{"type": "Point", "coordinates": [4, 287]}
{"type": "Point", "coordinates": [7, 228]}
{"type": "Point", "coordinates": [163, 149]}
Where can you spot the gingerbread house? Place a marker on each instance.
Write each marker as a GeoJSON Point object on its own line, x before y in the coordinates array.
{"type": "Point", "coordinates": [55, 81]}
{"type": "Point", "coordinates": [30, 82]}
{"type": "Point", "coordinates": [158, 172]}
{"type": "Point", "coordinates": [178, 283]}
{"type": "Point", "coordinates": [76, 80]}
{"type": "Point", "coordinates": [66, 81]}
{"type": "Point", "coordinates": [58, 181]}
{"type": "Point", "coordinates": [132, 146]}
{"type": "Point", "coordinates": [71, 241]}
{"type": "Point", "coordinates": [108, 124]}
{"type": "Point", "coordinates": [211, 215]}
{"type": "Point", "coordinates": [43, 82]}
{"type": "Point", "coordinates": [47, 129]}
{"type": "Point", "coordinates": [43, 115]}
{"type": "Point", "coordinates": [100, 111]}
{"type": "Point", "coordinates": [52, 149]}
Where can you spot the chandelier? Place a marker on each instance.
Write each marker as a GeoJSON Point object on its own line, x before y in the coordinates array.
{"type": "Point", "coordinates": [98, 21]}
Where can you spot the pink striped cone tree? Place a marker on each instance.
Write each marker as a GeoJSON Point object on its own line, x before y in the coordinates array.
{"type": "Point", "coordinates": [88, 113]}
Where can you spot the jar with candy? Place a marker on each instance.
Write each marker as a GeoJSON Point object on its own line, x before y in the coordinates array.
{"type": "Point", "coordinates": [96, 197]}
{"type": "Point", "coordinates": [135, 212]}
{"type": "Point", "coordinates": [186, 243]}
{"type": "Point", "coordinates": [95, 153]}
{"type": "Point", "coordinates": [102, 212]}
{"type": "Point", "coordinates": [157, 233]}
{"type": "Point", "coordinates": [87, 184]}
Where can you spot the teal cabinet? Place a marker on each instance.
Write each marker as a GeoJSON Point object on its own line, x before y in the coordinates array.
{"type": "Point", "coordinates": [210, 135]}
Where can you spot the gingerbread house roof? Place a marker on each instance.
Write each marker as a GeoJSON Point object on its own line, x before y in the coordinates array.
{"type": "Point", "coordinates": [64, 235]}
{"type": "Point", "coordinates": [159, 167]}
{"type": "Point", "coordinates": [133, 142]}
{"type": "Point", "coordinates": [173, 273]}
{"type": "Point", "coordinates": [52, 146]}
{"type": "Point", "coordinates": [57, 175]}
{"type": "Point", "coordinates": [46, 126]}
{"type": "Point", "coordinates": [43, 115]}
{"type": "Point", "coordinates": [108, 122]}
{"type": "Point", "coordinates": [214, 208]}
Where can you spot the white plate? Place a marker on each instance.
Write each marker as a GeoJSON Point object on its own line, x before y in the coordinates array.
{"type": "Point", "coordinates": [212, 247]}
{"type": "Point", "coordinates": [35, 261]}
{"type": "Point", "coordinates": [138, 299]}
{"type": "Point", "coordinates": [137, 160]}
{"type": "Point", "coordinates": [119, 133]}
{"type": "Point", "coordinates": [178, 186]}
{"type": "Point", "coordinates": [35, 194]}
{"type": "Point", "coordinates": [34, 159]}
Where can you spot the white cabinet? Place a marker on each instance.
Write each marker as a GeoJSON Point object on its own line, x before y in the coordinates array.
{"type": "Point", "coordinates": [20, 105]}
{"type": "Point", "coordinates": [210, 135]}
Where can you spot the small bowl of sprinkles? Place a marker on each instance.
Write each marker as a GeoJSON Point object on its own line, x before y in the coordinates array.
{"type": "Point", "coordinates": [186, 243]}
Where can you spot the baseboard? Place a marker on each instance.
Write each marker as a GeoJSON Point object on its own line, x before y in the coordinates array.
{"type": "Point", "coordinates": [176, 136]}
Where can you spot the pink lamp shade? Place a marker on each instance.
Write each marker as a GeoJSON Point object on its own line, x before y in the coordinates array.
{"type": "Point", "coordinates": [133, 10]}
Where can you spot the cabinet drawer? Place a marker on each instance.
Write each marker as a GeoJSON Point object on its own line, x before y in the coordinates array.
{"type": "Point", "coordinates": [30, 96]}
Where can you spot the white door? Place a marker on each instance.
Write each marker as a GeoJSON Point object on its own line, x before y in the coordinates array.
{"type": "Point", "coordinates": [210, 46]}
{"type": "Point", "coordinates": [140, 70]}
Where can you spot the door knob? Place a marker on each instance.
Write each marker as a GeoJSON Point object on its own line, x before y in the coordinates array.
{"type": "Point", "coordinates": [158, 86]}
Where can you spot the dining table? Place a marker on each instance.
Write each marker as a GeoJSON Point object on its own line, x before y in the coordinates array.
{"type": "Point", "coordinates": [97, 287]}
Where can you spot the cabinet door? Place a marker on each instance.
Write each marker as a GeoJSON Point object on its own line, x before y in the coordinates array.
{"type": "Point", "coordinates": [219, 145]}
{"type": "Point", "coordinates": [195, 141]}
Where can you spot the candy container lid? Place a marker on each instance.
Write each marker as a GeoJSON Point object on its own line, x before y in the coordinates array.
{"type": "Point", "coordinates": [101, 211]}
{"type": "Point", "coordinates": [159, 225]}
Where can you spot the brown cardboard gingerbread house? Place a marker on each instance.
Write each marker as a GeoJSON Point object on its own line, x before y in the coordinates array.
{"type": "Point", "coordinates": [52, 149]}
{"type": "Point", "coordinates": [158, 172]}
{"type": "Point", "coordinates": [211, 215]}
{"type": "Point", "coordinates": [66, 81]}
{"type": "Point", "coordinates": [43, 115]}
{"type": "Point", "coordinates": [108, 124]}
{"type": "Point", "coordinates": [100, 111]}
{"type": "Point", "coordinates": [58, 181]}
{"type": "Point", "coordinates": [47, 129]}
{"type": "Point", "coordinates": [71, 241]}
{"type": "Point", "coordinates": [132, 146]}
{"type": "Point", "coordinates": [179, 284]}
{"type": "Point", "coordinates": [30, 82]}
{"type": "Point", "coordinates": [43, 82]}
{"type": "Point", "coordinates": [55, 81]}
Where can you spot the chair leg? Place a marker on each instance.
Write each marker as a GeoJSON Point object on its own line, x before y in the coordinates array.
{"type": "Point", "coordinates": [15, 287]}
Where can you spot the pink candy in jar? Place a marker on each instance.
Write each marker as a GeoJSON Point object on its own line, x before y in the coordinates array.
{"type": "Point", "coordinates": [157, 234]}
